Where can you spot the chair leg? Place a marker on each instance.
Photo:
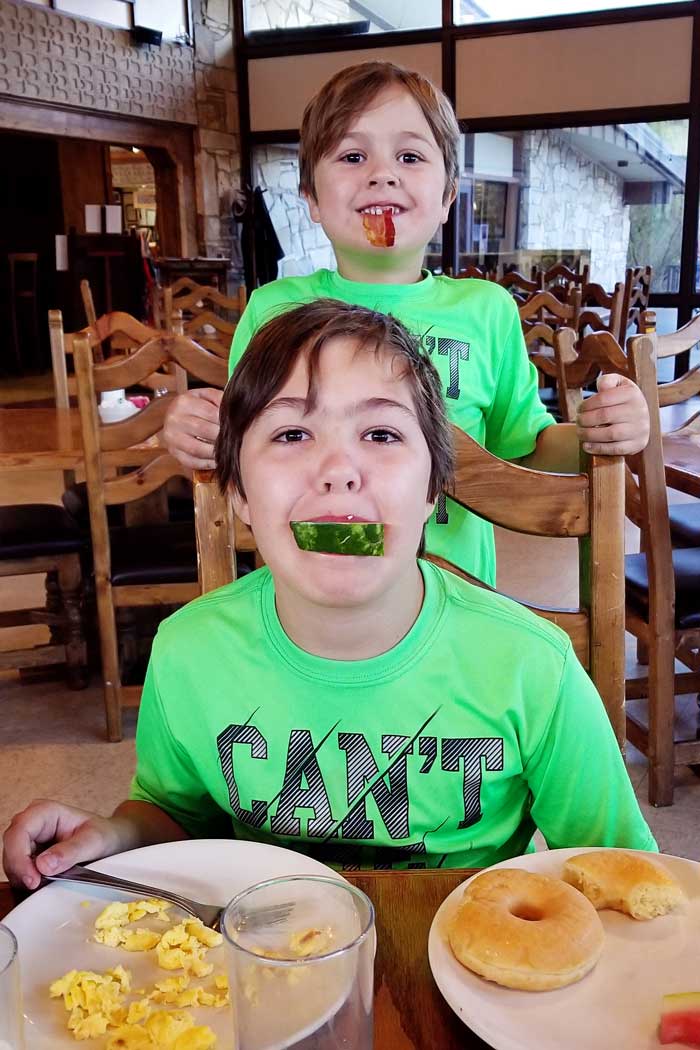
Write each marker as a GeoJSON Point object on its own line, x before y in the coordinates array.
{"type": "Point", "coordinates": [110, 660]}
{"type": "Point", "coordinates": [69, 584]}
{"type": "Point", "coordinates": [662, 702]}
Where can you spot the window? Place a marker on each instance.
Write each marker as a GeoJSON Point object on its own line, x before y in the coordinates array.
{"type": "Point", "coordinates": [373, 16]}
{"type": "Point", "coordinates": [609, 197]}
{"type": "Point", "coordinates": [468, 12]}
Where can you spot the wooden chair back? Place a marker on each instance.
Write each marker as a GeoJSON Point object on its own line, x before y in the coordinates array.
{"type": "Point", "coordinates": [519, 286]}
{"type": "Point", "coordinates": [543, 307]}
{"type": "Point", "coordinates": [203, 313]}
{"type": "Point", "coordinates": [105, 490]}
{"type": "Point", "coordinates": [588, 506]}
{"type": "Point", "coordinates": [595, 299]}
{"type": "Point", "coordinates": [560, 276]}
{"type": "Point", "coordinates": [547, 346]}
{"type": "Point", "coordinates": [635, 299]}
{"type": "Point", "coordinates": [476, 272]}
{"type": "Point", "coordinates": [672, 344]}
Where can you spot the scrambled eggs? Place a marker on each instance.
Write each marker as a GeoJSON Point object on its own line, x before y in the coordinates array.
{"type": "Point", "coordinates": [97, 1002]}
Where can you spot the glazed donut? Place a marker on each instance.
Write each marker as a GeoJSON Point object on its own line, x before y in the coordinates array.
{"type": "Point", "coordinates": [625, 882]}
{"type": "Point", "coordinates": [525, 931]}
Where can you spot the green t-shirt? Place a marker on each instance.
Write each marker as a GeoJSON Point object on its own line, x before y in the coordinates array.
{"type": "Point", "coordinates": [472, 331]}
{"type": "Point", "coordinates": [447, 750]}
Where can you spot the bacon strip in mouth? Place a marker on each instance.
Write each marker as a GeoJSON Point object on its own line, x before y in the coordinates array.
{"type": "Point", "coordinates": [379, 229]}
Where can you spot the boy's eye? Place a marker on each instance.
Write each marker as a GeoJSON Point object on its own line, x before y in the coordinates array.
{"type": "Point", "coordinates": [381, 436]}
{"type": "Point", "coordinates": [409, 157]}
{"type": "Point", "coordinates": [286, 437]}
{"type": "Point", "coordinates": [352, 158]}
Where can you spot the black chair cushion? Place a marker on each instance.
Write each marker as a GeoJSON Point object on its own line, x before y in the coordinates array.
{"type": "Point", "coordinates": [180, 508]}
{"type": "Point", "coordinates": [75, 501]}
{"type": "Point", "coordinates": [686, 571]}
{"type": "Point", "coordinates": [685, 524]}
{"type": "Point", "coordinates": [154, 554]}
{"type": "Point", "coordinates": [34, 530]}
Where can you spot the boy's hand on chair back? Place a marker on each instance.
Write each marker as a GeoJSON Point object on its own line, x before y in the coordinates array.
{"type": "Point", "coordinates": [191, 427]}
{"type": "Point", "coordinates": [615, 421]}
{"type": "Point", "coordinates": [77, 836]}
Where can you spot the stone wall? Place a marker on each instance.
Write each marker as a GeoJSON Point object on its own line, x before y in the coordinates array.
{"type": "Point", "coordinates": [305, 245]}
{"type": "Point", "coordinates": [287, 14]}
{"type": "Point", "coordinates": [567, 201]}
{"type": "Point", "coordinates": [217, 142]}
{"type": "Point", "coordinates": [65, 60]}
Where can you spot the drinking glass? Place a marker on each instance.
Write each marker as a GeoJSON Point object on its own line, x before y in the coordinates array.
{"type": "Point", "coordinates": [300, 954]}
{"type": "Point", "coordinates": [11, 1019]}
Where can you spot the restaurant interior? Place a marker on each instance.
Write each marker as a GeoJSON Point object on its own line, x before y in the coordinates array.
{"type": "Point", "coordinates": [149, 185]}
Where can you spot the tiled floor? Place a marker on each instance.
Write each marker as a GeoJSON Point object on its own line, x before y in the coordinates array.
{"type": "Point", "coordinates": [52, 740]}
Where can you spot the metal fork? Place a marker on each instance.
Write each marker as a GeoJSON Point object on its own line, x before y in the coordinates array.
{"type": "Point", "coordinates": [210, 914]}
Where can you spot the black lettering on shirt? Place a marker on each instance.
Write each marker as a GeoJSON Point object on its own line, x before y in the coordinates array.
{"type": "Point", "coordinates": [302, 765]}
{"type": "Point", "coordinates": [455, 350]}
{"type": "Point", "coordinates": [470, 751]}
{"type": "Point", "coordinates": [225, 742]}
{"type": "Point", "coordinates": [391, 800]}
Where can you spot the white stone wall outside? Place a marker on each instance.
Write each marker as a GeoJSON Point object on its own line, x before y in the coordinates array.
{"type": "Point", "coordinates": [568, 201]}
{"type": "Point", "coordinates": [289, 14]}
{"type": "Point", "coordinates": [305, 245]}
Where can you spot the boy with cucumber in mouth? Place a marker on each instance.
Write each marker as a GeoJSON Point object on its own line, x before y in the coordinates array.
{"type": "Point", "coordinates": [366, 707]}
{"type": "Point", "coordinates": [379, 168]}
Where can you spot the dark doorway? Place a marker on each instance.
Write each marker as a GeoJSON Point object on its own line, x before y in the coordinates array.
{"type": "Point", "coordinates": [31, 214]}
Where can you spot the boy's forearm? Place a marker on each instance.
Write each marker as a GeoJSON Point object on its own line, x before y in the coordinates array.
{"type": "Point", "coordinates": [144, 824]}
{"type": "Point", "coordinates": [556, 452]}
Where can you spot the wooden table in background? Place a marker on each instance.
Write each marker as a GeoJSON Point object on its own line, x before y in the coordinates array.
{"type": "Point", "coordinates": [409, 1012]}
{"type": "Point", "coordinates": [682, 461]}
{"type": "Point", "coordinates": [49, 439]}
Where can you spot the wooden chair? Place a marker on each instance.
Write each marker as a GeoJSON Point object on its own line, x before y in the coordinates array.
{"type": "Point", "coordinates": [202, 313]}
{"type": "Point", "coordinates": [588, 506]}
{"type": "Point", "coordinates": [680, 446]}
{"type": "Point", "coordinates": [595, 300]}
{"type": "Point", "coordinates": [546, 346]}
{"type": "Point", "coordinates": [635, 298]}
{"type": "Point", "coordinates": [476, 272]}
{"type": "Point", "coordinates": [519, 286]}
{"type": "Point", "coordinates": [106, 332]}
{"type": "Point", "coordinates": [543, 307]}
{"type": "Point", "coordinates": [134, 567]}
{"type": "Point", "coordinates": [663, 599]}
{"type": "Point", "coordinates": [41, 538]}
{"type": "Point", "coordinates": [560, 278]}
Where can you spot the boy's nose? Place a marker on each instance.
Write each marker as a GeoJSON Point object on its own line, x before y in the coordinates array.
{"type": "Point", "coordinates": [339, 474]}
{"type": "Point", "coordinates": [383, 179]}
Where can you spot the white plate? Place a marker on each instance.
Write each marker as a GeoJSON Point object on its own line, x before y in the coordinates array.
{"type": "Point", "coordinates": [53, 928]}
{"type": "Point", "coordinates": [617, 1004]}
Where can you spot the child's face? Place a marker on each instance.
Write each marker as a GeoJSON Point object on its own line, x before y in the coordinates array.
{"type": "Point", "coordinates": [360, 451]}
{"type": "Point", "coordinates": [388, 156]}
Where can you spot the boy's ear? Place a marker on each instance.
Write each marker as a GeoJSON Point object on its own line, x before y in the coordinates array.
{"type": "Point", "coordinates": [449, 201]}
{"type": "Point", "coordinates": [312, 205]}
{"type": "Point", "coordinates": [240, 505]}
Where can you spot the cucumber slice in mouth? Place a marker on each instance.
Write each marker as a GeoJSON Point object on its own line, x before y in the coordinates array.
{"type": "Point", "coordinates": [359, 538]}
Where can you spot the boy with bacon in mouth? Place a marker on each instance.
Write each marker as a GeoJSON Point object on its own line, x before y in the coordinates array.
{"type": "Point", "coordinates": [379, 170]}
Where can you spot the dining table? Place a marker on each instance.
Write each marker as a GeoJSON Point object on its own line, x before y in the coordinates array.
{"type": "Point", "coordinates": [50, 439]}
{"type": "Point", "coordinates": [409, 1011]}
{"type": "Point", "coordinates": [681, 452]}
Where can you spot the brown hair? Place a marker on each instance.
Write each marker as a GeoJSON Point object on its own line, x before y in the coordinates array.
{"type": "Point", "coordinates": [330, 112]}
{"type": "Point", "coordinates": [273, 351]}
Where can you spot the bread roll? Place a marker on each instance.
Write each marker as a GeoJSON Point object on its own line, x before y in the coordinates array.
{"type": "Point", "coordinates": [624, 882]}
